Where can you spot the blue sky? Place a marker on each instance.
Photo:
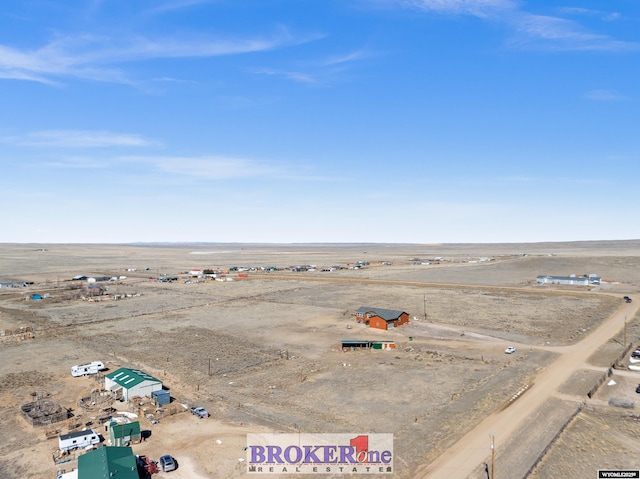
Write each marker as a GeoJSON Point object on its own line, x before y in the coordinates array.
{"type": "Point", "coordinates": [406, 121]}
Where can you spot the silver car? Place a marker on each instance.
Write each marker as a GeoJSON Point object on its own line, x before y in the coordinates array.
{"type": "Point", "coordinates": [167, 463]}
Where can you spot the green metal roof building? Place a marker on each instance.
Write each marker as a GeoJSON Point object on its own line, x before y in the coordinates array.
{"type": "Point", "coordinates": [131, 382]}
{"type": "Point", "coordinates": [108, 463]}
{"type": "Point", "coordinates": [124, 434]}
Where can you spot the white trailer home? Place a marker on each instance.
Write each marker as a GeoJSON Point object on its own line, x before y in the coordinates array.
{"type": "Point", "coordinates": [78, 440]}
{"type": "Point", "coordinates": [84, 369]}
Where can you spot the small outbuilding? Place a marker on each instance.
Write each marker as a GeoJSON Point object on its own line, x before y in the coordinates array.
{"type": "Point", "coordinates": [161, 397]}
{"type": "Point", "coordinates": [353, 344]}
{"type": "Point", "coordinates": [358, 344]}
{"type": "Point", "coordinates": [124, 434]}
{"type": "Point", "coordinates": [381, 318]}
{"type": "Point", "coordinates": [127, 383]}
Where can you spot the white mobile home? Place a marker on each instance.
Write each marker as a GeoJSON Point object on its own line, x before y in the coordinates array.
{"type": "Point", "coordinates": [571, 280]}
{"type": "Point", "coordinates": [84, 369]}
{"type": "Point", "coordinates": [78, 440]}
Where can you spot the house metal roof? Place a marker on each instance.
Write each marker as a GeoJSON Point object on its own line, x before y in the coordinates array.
{"type": "Point", "coordinates": [128, 378]}
{"type": "Point", "coordinates": [108, 462]}
{"type": "Point", "coordinates": [386, 314]}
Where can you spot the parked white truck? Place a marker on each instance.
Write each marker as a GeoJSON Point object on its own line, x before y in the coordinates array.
{"type": "Point", "coordinates": [85, 369]}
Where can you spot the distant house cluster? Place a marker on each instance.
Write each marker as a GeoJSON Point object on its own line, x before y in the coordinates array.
{"type": "Point", "coordinates": [582, 280]}
{"type": "Point", "coordinates": [97, 279]}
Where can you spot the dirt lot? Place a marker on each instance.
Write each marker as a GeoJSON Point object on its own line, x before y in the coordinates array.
{"type": "Point", "coordinates": [263, 353]}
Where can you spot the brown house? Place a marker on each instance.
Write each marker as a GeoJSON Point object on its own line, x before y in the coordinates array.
{"type": "Point", "coordinates": [381, 318]}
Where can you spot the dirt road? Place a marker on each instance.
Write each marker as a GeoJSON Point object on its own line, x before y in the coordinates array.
{"type": "Point", "coordinates": [460, 460]}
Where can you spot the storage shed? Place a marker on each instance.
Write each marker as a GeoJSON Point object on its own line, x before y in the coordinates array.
{"type": "Point", "coordinates": [384, 345]}
{"type": "Point", "coordinates": [124, 434]}
{"type": "Point", "coordinates": [128, 383]}
{"type": "Point", "coordinates": [161, 397]}
{"type": "Point", "coordinates": [357, 344]}
{"type": "Point", "coordinates": [353, 344]}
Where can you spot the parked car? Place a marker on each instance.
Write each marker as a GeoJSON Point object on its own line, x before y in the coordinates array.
{"type": "Point", "coordinates": [200, 412]}
{"type": "Point", "coordinates": [627, 299]}
{"type": "Point", "coordinates": [167, 463]}
{"type": "Point", "coordinates": [510, 350]}
{"type": "Point", "coordinates": [638, 389]}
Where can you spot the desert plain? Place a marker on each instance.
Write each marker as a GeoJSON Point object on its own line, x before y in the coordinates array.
{"type": "Point", "coordinates": [263, 353]}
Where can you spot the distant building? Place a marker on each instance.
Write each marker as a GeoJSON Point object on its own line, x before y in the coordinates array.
{"type": "Point", "coordinates": [381, 318]}
{"type": "Point", "coordinates": [355, 344]}
{"type": "Point", "coordinates": [569, 280]}
{"type": "Point", "coordinates": [14, 284]}
{"type": "Point", "coordinates": [127, 383]}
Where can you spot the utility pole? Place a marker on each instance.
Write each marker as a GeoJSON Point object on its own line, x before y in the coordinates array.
{"type": "Point", "coordinates": [425, 307]}
{"type": "Point", "coordinates": [493, 456]}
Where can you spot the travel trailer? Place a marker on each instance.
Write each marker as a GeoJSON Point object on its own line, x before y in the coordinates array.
{"type": "Point", "coordinates": [78, 440]}
{"type": "Point", "coordinates": [85, 369]}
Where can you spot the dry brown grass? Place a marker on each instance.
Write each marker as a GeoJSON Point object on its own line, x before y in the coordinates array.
{"type": "Point", "coordinates": [219, 343]}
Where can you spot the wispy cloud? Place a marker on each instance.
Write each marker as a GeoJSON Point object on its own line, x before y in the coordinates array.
{"type": "Point", "coordinates": [533, 31]}
{"type": "Point", "coordinates": [604, 95]}
{"type": "Point", "coordinates": [298, 77]}
{"type": "Point", "coordinates": [208, 167]}
{"type": "Point", "coordinates": [97, 57]}
{"type": "Point", "coordinates": [588, 12]}
{"type": "Point", "coordinates": [346, 58]}
{"type": "Point", "coordinates": [80, 139]}
{"type": "Point", "coordinates": [318, 72]}
{"type": "Point", "coordinates": [170, 6]}
{"type": "Point", "coordinates": [100, 144]}
{"type": "Point", "coordinates": [546, 32]}
{"type": "Point", "coordinates": [478, 8]}
{"type": "Point", "coordinates": [77, 162]}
